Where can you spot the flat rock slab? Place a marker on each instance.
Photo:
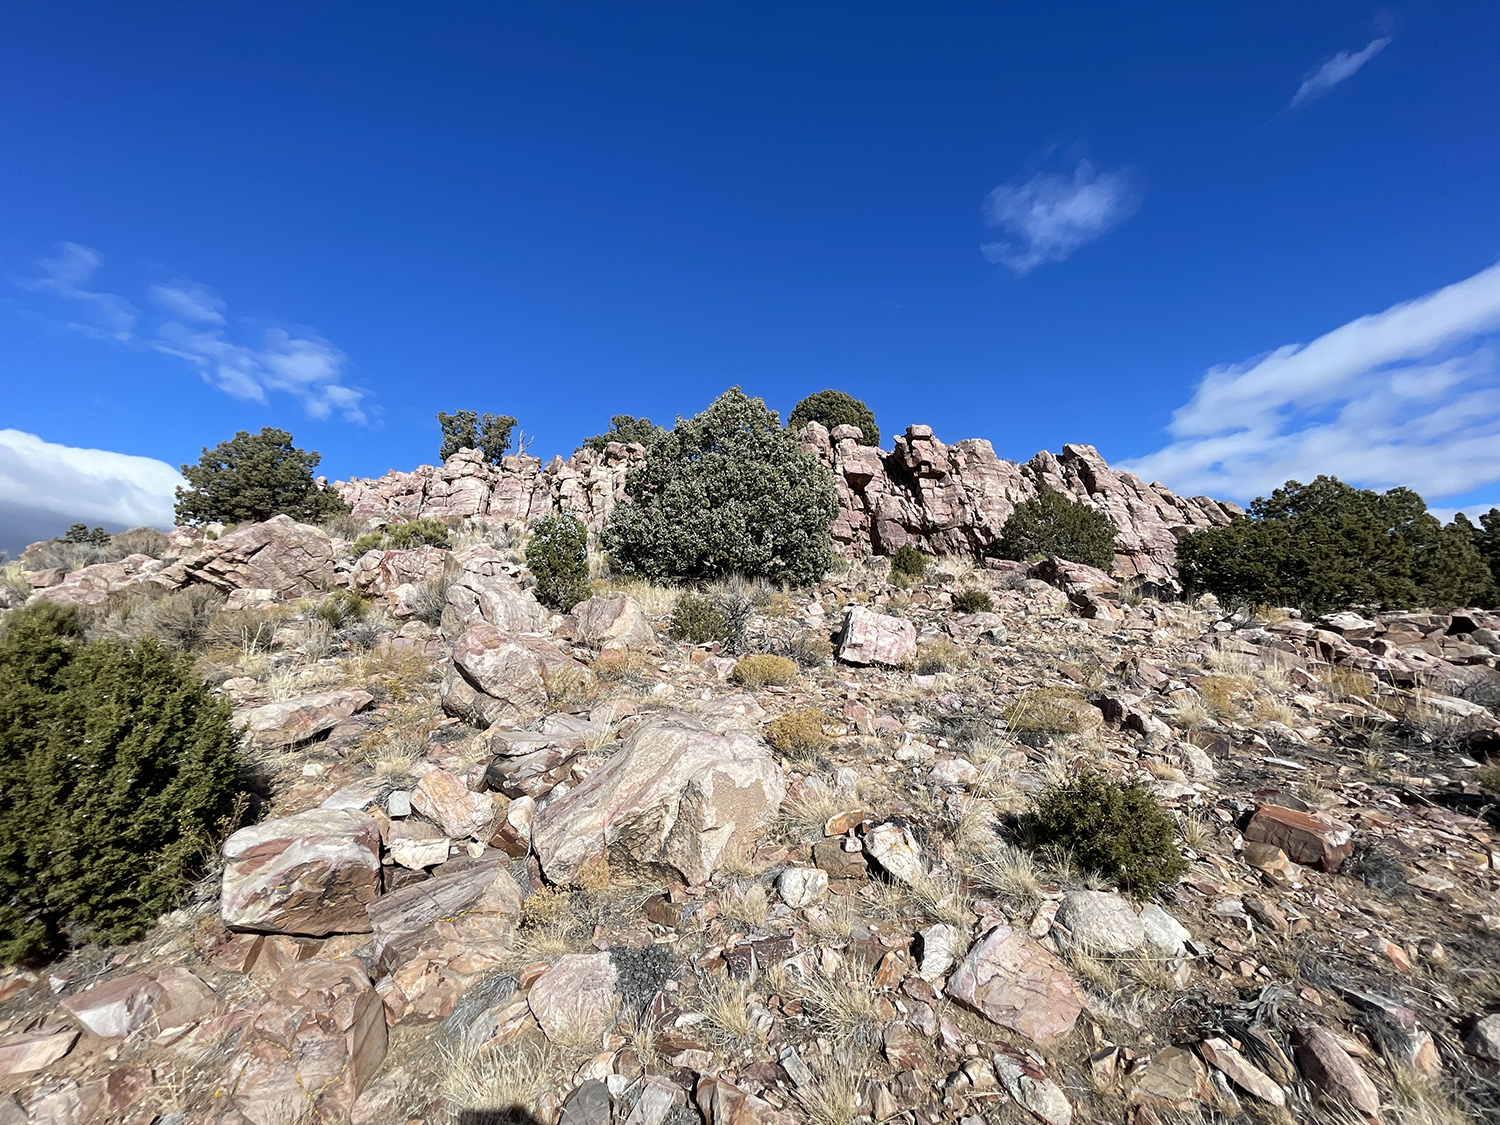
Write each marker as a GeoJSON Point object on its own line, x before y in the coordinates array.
{"type": "Point", "coordinates": [311, 873]}
{"type": "Point", "coordinates": [293, 559]}
{"type": "Point", "coordinates": [1018, 984]}
{"type": "Point", "coordinates": [290, 721]}
{"type": "Point", "coordinates": [444, 908]}
{"type": "Point", "coordinates": [1101, 921]}
{"type": "Point", "coordinates": [576, 999]}
{"type": "Point", "coordinates": [32, 1051]}
{"type": "Point", "coordinates": [876, 638]}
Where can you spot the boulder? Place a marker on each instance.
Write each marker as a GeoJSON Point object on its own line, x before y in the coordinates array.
{"type": "Point", "coordinates": [290, 721]}
{"type": "Point", "coordinates": [576, 999]}
{"type": "Point", "coordinates": [92, 585]}
{"type": "Point", "coordinates": [1101, 921]}
{"type": "Point", "coordinates": [1032, 1089]}
{"type": "Point", "coordinates": [941, 944]}
{"type": "Point", "coordinates": [1307, 838]}
{"type": "Point", "coordinates": [497, 678]}
{"type": "Point", "coordinates": [617, 617]}
{"type": "Point", "coordinates": [478, 905]}
{"type": "Point", "coordinates": [802, 886]}
{"type": "Point", "coordinates": [675, 796]}
{"type": "Point", "coordinates": [311, 873]}
{"type": "Point", "coordinates": [876, 638]}
{"type": "Point", "coordinates": [379, 573]}
{"type": "Point", "coordinates": [1165, 935]}
{"type": "Point", "coordinates": [1017, 983]}
{"type": "Point", "coordinates": [485, 590]}
{"type": "Point", "coordinates": [444, 798]}
{"type": "Point", "coordinates": [310, 1047]}
{"type": "Point", "coordinates": [294, 559]}
{"type": "Point", "coordinates": [896, 850]}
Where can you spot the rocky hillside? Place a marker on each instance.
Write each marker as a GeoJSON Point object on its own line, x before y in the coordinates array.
{"type": "Point", "coordinates": [946, 500]}
{"type": "Point", "coordinates": [510, 865]}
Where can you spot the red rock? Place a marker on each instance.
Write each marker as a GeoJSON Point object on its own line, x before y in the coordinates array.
{"type": "Point", "coordinates": [442, 797]}
{"type": "Point", "coordinates": [576, 999]}
{"type": "Point", "coordinates": [876, 638]}
{"type": "Point", "coordinates": [291, 721]}
{"type": "Point", "coordinates": [280, 554]}
{"type": "Point", "coordinates": [1018, 984]}
{"type": "Point", "coordinates": [310, 1047]}
{"type": "Point", "coordinates": [310, 873]}
{"type": "Point", "coordinates": [1308, 838]}
{"type": "Point", "coordinates": [25, 1052]}
{"type": "Point", "coordinates": [1335, 1076]}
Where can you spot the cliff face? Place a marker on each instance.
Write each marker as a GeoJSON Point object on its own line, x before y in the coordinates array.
{"type": "Point", "coordinates": [944, 499]}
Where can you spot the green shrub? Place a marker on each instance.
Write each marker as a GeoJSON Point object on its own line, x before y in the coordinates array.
{"type": "Point", "coordinates": [697, 620]}
{"type": "Point", "coordinates": [488, 433]}
{"type": "Point", "coordinates": [1116, 830]}
{"type": "Point", "coordinates": [1486, 540]}
{"type": "Point", "coordinates": [726, 492]}
{"type": "Point", "coordinates": [835, 408]}
{"type": "Point", "coordinates": [1328, 546]}
{"type": "Point", "coordinates": [425, 532]}
{"type": "Point", "coordinates": [117, 774]}
{"type": "Point", "coordinates": [253, 477]}
{"type": "Point", "coordinates": [761, 669]}
{"type": "Point", "coordinates": [80, 533]}
{"type": "Point", "coordinates": [972, 600]}
{"type": "Point", "coordinates": [557, 554]}
{"type": "Point", "coordinates": [909, 563]}
{"type": "Point", "coordinates": [1052, 524]}
{"type": "Point", "coordinates": [340, 608]}
{"type": "Point", "coordinates": [625, 429]}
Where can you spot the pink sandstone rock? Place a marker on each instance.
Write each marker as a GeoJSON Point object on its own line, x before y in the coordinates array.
{"type": "Point", "coordinates": [311, 873]}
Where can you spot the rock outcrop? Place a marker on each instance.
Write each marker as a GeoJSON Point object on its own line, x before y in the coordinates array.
{"type": "Point", "coordinates": [289, 558]}
{"type": "Point", "coordinates": [944, 499]}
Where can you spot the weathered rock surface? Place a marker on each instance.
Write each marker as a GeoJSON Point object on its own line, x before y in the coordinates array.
{"type": "Point", "coordinates": [28, 1051]}
{"type": "Point", "coordinates": [876, 638]}
{"type": "Point", "coordinates": [477, 906]}
{"type": "Point", "coordinates": [310, 873]}
{"type": "Point", "coordinates": [310, 1047]}
{"type": "Point", "coordinates": [617, 617]}
{"type": "Point", "coordinates": [1101, 921]}
{"type": "Point", "coordinates": [501, 679]}
{"type": "Point", "coordinates": [378, 573]}
{"type": "Point", "coordinates": [576, 999]}
{"type": "Point", "coordinates": [1335, 1076]}
{"type": "Point", "coordinates": [1308, 838]}
{"type": "Point", "coordinates": [944, 499]}
{"type": "Point", "coordinates": [676, 795]}
{"type": "Point", "coordinates": [485, 588]}
{"type": "Point", "coordinates": [293, 559]}
{"type": "Point", "coordinates": [290, 721]}
{"type": "Point", "coordinates": [92, 585]}
{"type": "Point", "coordinates": [442, 797]}
{"type": "Point", "coordinates": [1018, 984]}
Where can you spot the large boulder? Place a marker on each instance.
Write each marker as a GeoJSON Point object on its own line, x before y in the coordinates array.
{"type": "Point", "coordinates": [576, 1000]}
{"type": "Point", "coordinates": [92, 585]}
{"type": "Point", "coordinates": [290, 721]}
{"type": "Point", "coordinates": [293, 559]}
{"type": "Point", "coordinates": [876, 638]}
{"type": "Point", "coordinates": [615, 618]}
{"type": "Point", "coordinates": [310, 1047]}
{"type": "Point", "coordinates": [501, 678]}
{"type": "Point", "coordinates": [473, 907]}
{"type": "Point", "coordinates": [1312, 839]}
{"type": "Point", "coordinates": [377, 573]}
{"type": "Point", "coordinates": [311, 873]}
{"type": "Point", "coordinates": [676, 796]}
{"type": "Point", "coordinates": [484, 589]}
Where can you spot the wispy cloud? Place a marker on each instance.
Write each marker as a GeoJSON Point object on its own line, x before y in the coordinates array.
{"type": "Point", "coordinates": [1046, 216]}
{"type": "Point", "coordinates": [1409, 396]}
{"type": "Point", "coordinates": [45, 484]}
{"type": "Point", "coordinates": [244, 358]}
{"type": "Point", "coordinates": [1340, 68]}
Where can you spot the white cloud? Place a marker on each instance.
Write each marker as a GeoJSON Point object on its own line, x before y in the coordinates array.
{"type": "Point", "coordinates": [93, 485]}
{"type": "Point", "coordinates": [1341, 67]}
{"type": "Point", "coordinates": [197, 329]}
{"type": "Point", "coordinates": [1045, 217]}
{"type": "Point", "coordinates": [1409, 396]}
{"type": "Point", "coordinates": [104, 314]}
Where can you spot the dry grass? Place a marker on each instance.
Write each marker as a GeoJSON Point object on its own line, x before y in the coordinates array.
{"type": "Point", "coordinates": [942, 899]}
{"type": "Point", "coordinates": [833, 918]}
{"type": "Point", "coordinates": [403, 675]}
{"type": "Point", "coordinates": [1011, 873]}
{"type": "Point", "coordinates": [744, 903]}
{"type": "Point", "coordinates": [761, 670]}
{"type": "Point", "coordinates": [800, 734]}
{"type": "Point", "coordinates": [939, 655]}
{"type": "Point", "coordinates": [1048, 710]}
{"type": "Point", "coordinates": [655, 601]}
{"type": "Point", "coordinates": [1226, 697]}
{"type": "Point", "coordinates": [831, 1099]}
{"type": "Point", "coordinates": [1198, 833]}
{"type": "Point", "coordinates": [504, 1083]}
{"type": "Point", "coordinates": [804, 815]}
{"type": "Point", "coordinates": [1422, 1099]}
{"type": "Point", "coordinates": [567, 687]}
{"type": "Point", "coordinates": [842, 1010]}
{"type": "Point", "coordinates": [1488, 775]}
{"type": "Point", "coordinates": [401, 742]}
{"type": "Point", "coordinates": [628, 669]}
{"type": "Point", "coordinates": [732, 1026]}
{"type": "Point", "coordinates": [1344, 684]}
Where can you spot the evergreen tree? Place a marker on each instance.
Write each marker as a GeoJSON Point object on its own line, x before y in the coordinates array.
{"type": "Point", "coordinates": [253, 477]}
{"type": "Point", "coordinates": [835, 408]}
{"type": "Point", "coordinates": [488, 433]}
{"type": "Point", "coordinates": [1052, 524]}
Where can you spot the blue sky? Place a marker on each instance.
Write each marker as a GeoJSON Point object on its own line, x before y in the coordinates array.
{"type": "Point", "coordinates": [1172, 231]}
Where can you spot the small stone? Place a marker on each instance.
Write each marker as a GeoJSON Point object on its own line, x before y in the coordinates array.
{"type": "Point", "coordinates": [1033, 1090]}
{"type": "Point", "coordinates": [1247, 1077]}
{"type": "Point", "coordinates": [940, 948]}
{"type": "Point", "coordinates": [802, 886]}
{"type": "Point", "coordinates": [398, 804]}
{"type": "Point", "coordinates": [1483, 1039]}
{"type": "Point", "coordinates": [1173, 1079]}
{"type": "Point", "coordinates": [1309, 838]}
{"type": "Point", "coordinates": [896, 850]}
{"type": "Point", "coordinates": [1337, 1078]}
